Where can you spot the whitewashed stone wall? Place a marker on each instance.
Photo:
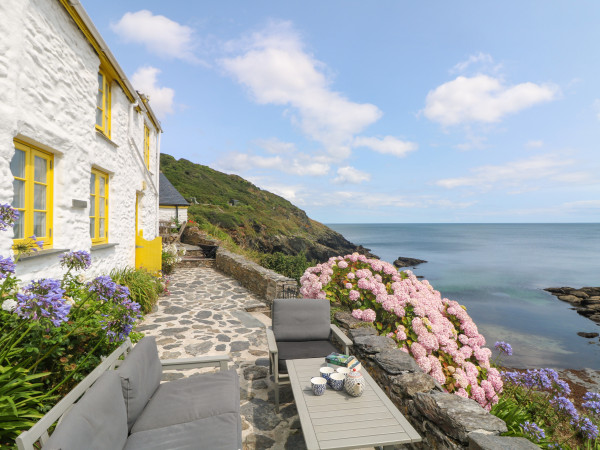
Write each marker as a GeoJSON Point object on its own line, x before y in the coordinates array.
{"type": "Point", "coordinates": [169, 213]}
{"type": "Point", "coordinates": [48, 85]}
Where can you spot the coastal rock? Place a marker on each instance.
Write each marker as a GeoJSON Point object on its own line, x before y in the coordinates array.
{"type": "Point", "coordinates": [586, 300]}
{"type": "Point", "coordinates": [579, 293]}
{"type": "Point", "coordinates": [408, 262]}
{"type": "Point", "coordinates": [583, 334]}
{"type": "Point", "coordinates": [569, 298]}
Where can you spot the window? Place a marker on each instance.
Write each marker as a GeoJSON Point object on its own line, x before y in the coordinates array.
{"type": "Point", "coordinates": [32, 171]}
{"type": "Point", "coordinates": [147, 146]}
{"type": "Point", "coordinates": [103, 104]}
{"type": "Point", "coordinates": [99, 207]}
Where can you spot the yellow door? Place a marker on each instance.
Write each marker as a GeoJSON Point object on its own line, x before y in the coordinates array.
{"type": "Point", "coordinates": [148, 254]}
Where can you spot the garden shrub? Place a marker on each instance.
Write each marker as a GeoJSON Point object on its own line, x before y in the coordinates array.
{"type": "Point", "coordinates": [171, 255]}
{"type": "Point", "coordinates": [144, 288]}
{"type": "Point", "coordinates": [292, 266]}
{"type": "Point", "coordinates": [436, 331]}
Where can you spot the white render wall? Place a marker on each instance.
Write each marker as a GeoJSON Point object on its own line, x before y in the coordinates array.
{"type": "Point", "coordinates": [48, 85]}
{"type": "Point", "coordinates": [168, 213]}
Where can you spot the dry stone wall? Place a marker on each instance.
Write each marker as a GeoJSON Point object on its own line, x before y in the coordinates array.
{"type": "Point", "coordinates": [444, 421]}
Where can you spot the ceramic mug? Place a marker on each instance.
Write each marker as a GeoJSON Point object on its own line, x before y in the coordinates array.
{"type": "Point", "coordinates": [343, 370]}
{"type": "Point", "coordinates": [318, 384]}
{"type": "Point", "coordinates": [336, 381]}
{"type": "Point", "coordinates": [326, 372]}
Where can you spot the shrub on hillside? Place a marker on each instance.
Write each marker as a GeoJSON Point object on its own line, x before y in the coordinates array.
{"type": "Point", "coordinates": [292, 266]}
{"type": "Point", "coordinates": [436, 331]}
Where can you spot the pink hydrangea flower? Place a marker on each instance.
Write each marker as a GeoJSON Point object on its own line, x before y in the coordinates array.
{"type": "Point", "coordinates": [342, 264]}
{"type": "Point", "coordinates": [357, 314]}
{"type": "Point", "coordinates": [353, 295]}
{"type": "Point", "coordinates": [368, 315]}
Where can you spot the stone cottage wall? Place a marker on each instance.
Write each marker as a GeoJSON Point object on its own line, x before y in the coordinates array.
{"type": "Point", "coordinates": [48, 87]}
{"type": "Point", "coordinates": [444, 421]}
{"type": "Point", "coordinates": [263, 282]}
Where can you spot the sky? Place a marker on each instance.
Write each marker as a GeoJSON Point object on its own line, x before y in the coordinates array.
{"type": "Point", "coordinates": [378, 112]}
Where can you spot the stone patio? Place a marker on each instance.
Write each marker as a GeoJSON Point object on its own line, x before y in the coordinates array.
{"type": "Point", "coordinates": [206, 313]}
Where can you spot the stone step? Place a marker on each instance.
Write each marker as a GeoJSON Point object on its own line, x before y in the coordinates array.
{"type": "Point", "coordinates": [196, 262]}
{"type": "Point", "coordinates": [194, 253]}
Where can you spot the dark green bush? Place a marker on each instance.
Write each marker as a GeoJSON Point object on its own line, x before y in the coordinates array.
{"type": "Point", "coordinates": [143, 286]}
{"type": "Point", "coordinates": [292, 266]}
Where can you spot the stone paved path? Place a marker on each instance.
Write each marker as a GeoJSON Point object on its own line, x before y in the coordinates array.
{"type": "Point", "coordinates": [206, 314]}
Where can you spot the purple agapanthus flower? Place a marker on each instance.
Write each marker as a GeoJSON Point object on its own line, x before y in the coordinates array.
{"type": "Point", "coordinates": [588, 429]}
{"type": "Point", "coordinates": [104, 287]}
{"type": "Point", "coordinates": [539, 379]}
{"type": "Point", "coordinates": [8, 216]}
{"type": "Point", "coordinates": [79, 260]}
{"type": "Point", "coordinates": [533, 431]}
{"type": "Point", "coordinates": [43, 299]}
{"type": "Point", "coordinates": [40, 244]}
{"type": "Point", "coordinates": [503, 347]}
{"type": "Point", "coordinates": [592, 402]}
{"type": "Point", "coordinates": [565, 406]}
{"type": "Point", "coordinates": [122, 319]}
{"type": "Point", "coordinates": [7, 265]}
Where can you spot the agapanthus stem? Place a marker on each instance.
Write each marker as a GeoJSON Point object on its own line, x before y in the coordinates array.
{"type": "Point", "coordinates": [9, 349]}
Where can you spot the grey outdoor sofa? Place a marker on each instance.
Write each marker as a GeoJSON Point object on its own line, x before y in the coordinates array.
{"type": "Point", "coordinates": [129, 409]}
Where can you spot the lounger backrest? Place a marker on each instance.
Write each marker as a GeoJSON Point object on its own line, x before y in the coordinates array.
{"type": "Point", "coordinates": [301, 319]}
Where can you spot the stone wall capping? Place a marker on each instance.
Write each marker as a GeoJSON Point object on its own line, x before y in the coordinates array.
{"type": "Point", "coordinates": [374, 344]}
{"type": "Point", "coordinates": [395, 361]}
{"type": "Point", "coordinates": [408, 384]}
{"type": "Point", "coordinates": [366, 331]}
{"type": "Point", "coordinates": [481, 441]}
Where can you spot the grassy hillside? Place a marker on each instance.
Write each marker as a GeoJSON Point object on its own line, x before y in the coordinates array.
{"type": "Point", "coordinates": [260, 221]}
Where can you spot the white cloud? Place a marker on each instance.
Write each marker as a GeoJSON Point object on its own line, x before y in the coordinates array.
{"type": "Point", "coordinates": [479, 59]}
{"type": "Point", "coordinates": [534, 144]}
{"type": "Point", "coordinates": [276, 69]}
{"type": "Point", "coordinates": [482, 98]}
{"type": "Point", "coordinates": [299, 165]}
{"type": "Point", "coordinates": [275, 146]}
{"type": "Point", "coordinates": [161, 98]}
{"type": "Point", "coordinates": [351, 175]}
{"type": "Point", "coordinates": [389, 145]}
{"type": "Point", "coordinates": [518, 174]}
{"type": "Point", "coordinates": [159, 34]}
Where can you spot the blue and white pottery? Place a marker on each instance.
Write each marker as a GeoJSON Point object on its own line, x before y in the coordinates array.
{"type": "Point", "coordinates": [343, 370]}
{"type": "Point", "coordinates": [355, 383]}
{"type": "Point", "coordinates": [319, 384]}
{"type": "Point", "coordinates": [326, 372]}
{"type": "Point", "coordinates": [336, 381]}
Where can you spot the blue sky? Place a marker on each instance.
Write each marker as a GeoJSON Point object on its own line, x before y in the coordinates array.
{"type": "Point", "coordinates": [381, 111]}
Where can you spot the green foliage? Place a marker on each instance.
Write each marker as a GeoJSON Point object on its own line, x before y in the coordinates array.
{"type": "Point", "coordinates": [143, 286]}
{"type": "Point", "coordinates": [171, 255]}
{"type": "Point", "coordinates": [292, 266]}
{"type": "Point", "coordinates": [513, 413]}
{"type": "Point", "coordinates": [21, 400]}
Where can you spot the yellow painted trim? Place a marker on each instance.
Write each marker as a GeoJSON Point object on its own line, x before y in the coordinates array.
{"type": "Point", "coordinates": [147, 146]}
{"type": "Point", "coordinates": [28, 210]}
{"type": "Point", "coordinates": [106, 107]}
{"type": "Point", "coordinates": [96, 199]}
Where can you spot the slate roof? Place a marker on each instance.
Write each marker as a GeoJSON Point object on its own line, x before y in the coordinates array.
{"type": "Point", "coordinates": [168, 195]}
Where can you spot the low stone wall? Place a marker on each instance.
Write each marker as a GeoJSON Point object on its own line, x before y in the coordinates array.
{"type": "Point", "coordinates": [444, 421]}
{"type": "Point", "coordinates": [255, 278]}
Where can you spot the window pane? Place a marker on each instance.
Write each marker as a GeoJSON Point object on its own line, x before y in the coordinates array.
{"type": "Point", "coordinates": [41, 167]}
{"type": "Point", "coordinates": [39, 224]}
{"type": "Point", "coordinates": [101, 205]}
{"type": "Point", "coordinates": [19, 229]}
{"type": "Point", "coordinates": [92, 227]}
{"type": "Point", "coordinates": [39, 196]}
{"type": "Point", "coordinates": [101, 228]}
{"type": "Point", "coordinates": [102, 182]}
{"type": "Point", "coordinates": [98, 117]}
{"type": "Point", "coordinates": [19, 194]}
{"type": "Point", "coordinates": [92, 205]}
{"type": "Point", "coordinates": [99, 99]}
{"type": "Point", "coordinates": [17, 164]}
{"type": "Point", "coordinates": [93, 184]}
{"type": "Point", "coordinates": [100, 81]}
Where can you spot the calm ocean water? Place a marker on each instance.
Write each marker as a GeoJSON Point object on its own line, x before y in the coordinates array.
{"type": "Point", "coordinates": [498, 272]}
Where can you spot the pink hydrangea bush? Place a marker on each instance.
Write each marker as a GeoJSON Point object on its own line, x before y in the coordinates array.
{"type": "Point", "coordinates": [436, 331]}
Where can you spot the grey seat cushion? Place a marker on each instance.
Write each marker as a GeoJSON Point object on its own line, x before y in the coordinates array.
{"type": "Point", "coordinates": [140, 376]}
{"type": "Point", "coordinates": [301, 350]}
{"type": "Point", "coordinates": [301, 319]}
{"type": "Point", "coordinates": [189, 399]}
{"type": "Point", "coordinates": [98, 421]}
{"type": "Point", "coordinates": [212, 433]}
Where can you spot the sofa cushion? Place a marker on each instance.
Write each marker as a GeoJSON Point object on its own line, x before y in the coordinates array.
{"type": "Point", "coordinates": [140, 376]}
{"type": "Point", "coordinates": [301, 319]}
{"type": "Point", "coordinates": [189, 399]}
{"type": "Point", "coordinates": [97, 421]}
{"type": "Point", "coordinates": [302, 350]}
{"type": "Point", "coordinates": [221, 432]}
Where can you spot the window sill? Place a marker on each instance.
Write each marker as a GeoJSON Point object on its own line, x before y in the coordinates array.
{"type": "Point", "coordinates": [103, 246]}
{"type": "Point", "coordinates": [46, 252]}
{"type": "Point", "coordinates": [106, 138]}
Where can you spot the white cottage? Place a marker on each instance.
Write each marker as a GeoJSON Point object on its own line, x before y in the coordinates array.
{"type": "Point", "coordinates": [79, 147]}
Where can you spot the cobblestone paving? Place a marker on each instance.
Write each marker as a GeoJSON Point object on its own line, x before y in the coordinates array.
{"type": "Point", "coordinates": [206, 314]}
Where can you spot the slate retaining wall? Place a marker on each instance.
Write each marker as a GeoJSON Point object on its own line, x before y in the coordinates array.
{"type": "Point", "coordinates": [260, 281]}
{"type": "Point", "coordinates": [444, 421]}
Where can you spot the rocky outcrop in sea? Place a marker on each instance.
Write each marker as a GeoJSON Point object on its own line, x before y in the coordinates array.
{"type": "Point", "coordinates": [408, 262]}
{"type": "Point", "coordinates": [585, 300]}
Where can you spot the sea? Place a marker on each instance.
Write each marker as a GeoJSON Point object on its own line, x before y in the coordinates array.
{"type": "Point", "coordinates": [499, 271]}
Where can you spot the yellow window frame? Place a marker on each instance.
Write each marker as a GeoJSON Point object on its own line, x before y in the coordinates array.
{"type": "Point", "coordinates": [29, 209]}
{"type": "Point", "coordinates": [96, 200]}
{"type": "Point", "coordinates": [147, 146]}
{"type": "Point", "coordinates": [103, 103]}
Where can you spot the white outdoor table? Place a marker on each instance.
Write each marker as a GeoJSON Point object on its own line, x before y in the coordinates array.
{"type": "Point", "coordinates": [336, 420]}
